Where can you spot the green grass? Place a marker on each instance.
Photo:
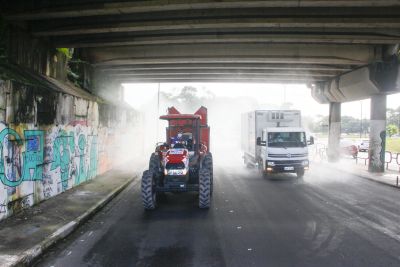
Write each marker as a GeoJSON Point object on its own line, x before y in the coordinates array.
{"type": "Point", "coordinates": [393, 145]}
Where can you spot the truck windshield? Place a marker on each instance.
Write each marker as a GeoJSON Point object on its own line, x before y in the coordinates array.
{"type": "Point", "coordinates": [287, 139]}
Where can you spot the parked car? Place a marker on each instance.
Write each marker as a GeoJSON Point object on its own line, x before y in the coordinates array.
{"type": "Point", "coordinates": [348, 147]}
{"type": "Point", "coordinates": [363, 146]}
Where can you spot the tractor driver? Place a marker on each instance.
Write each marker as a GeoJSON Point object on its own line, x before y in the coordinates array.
{"type": "Point", "coordinates": [178, 139]}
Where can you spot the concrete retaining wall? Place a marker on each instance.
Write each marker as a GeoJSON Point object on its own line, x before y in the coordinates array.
{"type": "Point", "coordinates": [52, 141]}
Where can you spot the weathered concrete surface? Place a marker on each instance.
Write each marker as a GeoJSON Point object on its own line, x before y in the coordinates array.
{"type": "Point", "coordinates": [377, 134]}
{"type": "Point", "coordinates": [52, 141]}
{"type": "Point", "coordinates": [112, 35]}
{"type": "Point", "coordinates": [334, 131]}
{"type": "Point", "coordinates": [28, 234]}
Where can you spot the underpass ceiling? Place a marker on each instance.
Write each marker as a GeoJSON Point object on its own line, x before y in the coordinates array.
{"type": "Point", "coordinates": [200, 40]}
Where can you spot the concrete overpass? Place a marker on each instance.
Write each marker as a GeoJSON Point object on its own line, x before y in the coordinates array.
{"type": "Point", "coordinates": [344, 50]}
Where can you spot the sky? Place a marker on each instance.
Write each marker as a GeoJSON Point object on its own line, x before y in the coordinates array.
{"type": "Point", "coordinates": [138, 95]}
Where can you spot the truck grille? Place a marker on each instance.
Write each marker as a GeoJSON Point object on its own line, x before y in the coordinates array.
{"type": "Point", "coordinates": [287, 162]}
{"type": "Point", "coordinates": [287, 155]}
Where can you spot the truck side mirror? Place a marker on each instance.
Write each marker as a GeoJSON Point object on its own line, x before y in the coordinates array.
{"type": "Point", "coordinates": [258, 141]}
{"type": "Point", "coordinates": [261, 143]}
{"type": "Point", "coordinates": [311, 141]}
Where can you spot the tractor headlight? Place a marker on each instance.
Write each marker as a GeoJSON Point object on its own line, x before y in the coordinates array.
{"type": "Point", "coordinates": [271, 163]}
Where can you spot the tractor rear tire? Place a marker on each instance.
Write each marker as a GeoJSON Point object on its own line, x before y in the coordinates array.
{"type": "Point", "coordinates": [149, 195]}
{"type": "Point", "coordinates": [208, 164]}
{"type": "Point", "coordinates": [204, 188]}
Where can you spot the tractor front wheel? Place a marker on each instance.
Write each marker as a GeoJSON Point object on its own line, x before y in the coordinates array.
{"type": "Point", "coordinates": [149, 195]}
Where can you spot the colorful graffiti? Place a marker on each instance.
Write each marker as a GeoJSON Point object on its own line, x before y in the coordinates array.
{"type": "Point", "coordinates": [55, 159]}
{"type": "Point", "coordinates": [12, 171]}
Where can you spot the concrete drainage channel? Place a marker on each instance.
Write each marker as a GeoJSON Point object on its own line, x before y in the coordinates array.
{"type": "Point", "coordinates": [32, 254]}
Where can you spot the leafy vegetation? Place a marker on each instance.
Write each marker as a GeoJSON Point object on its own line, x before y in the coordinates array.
{"type": "Point", "coordinates": [67, 52]}
{"type": "Point", "coordinates": [391, 130]}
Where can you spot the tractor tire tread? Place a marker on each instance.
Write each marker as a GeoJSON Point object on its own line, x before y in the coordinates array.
{"type": "Point", "coordinates": [147, 191]}
{"type": "Point", "coordinates": [204, 188]}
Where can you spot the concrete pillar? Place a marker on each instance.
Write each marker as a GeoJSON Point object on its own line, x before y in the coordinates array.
{"type": "Point", "coordinates": [334, 131]}
{"type": "Point", "coordinates": [377, 134]}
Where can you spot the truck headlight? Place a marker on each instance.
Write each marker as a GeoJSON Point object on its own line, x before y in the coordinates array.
{"type": "Point", "coordinates": [305, 163]}
{"type": "Point", "coordinates": [271, 163]}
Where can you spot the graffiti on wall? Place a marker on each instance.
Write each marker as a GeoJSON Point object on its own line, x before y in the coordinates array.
{"type": "Point", "coordinates": [377, 146]}
{"type": "Point", "coordinates": [73, 155]}
{"type": "Point", "coordinates": [55, 159]}
{"type": "Point", "coordinates": [17, 167]}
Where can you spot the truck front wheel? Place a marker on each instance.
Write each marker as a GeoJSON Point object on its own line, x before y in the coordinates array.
{"type": "Point", "coordinates": [300, 173]}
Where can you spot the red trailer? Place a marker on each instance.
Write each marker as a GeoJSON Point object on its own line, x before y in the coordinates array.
{"type": "Point", "coordinates": [183, 162]}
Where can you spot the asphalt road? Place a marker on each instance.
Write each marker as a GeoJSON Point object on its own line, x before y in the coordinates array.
{"type": "Point", "coordinates": [325, 219]}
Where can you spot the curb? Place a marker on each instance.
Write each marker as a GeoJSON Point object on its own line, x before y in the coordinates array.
{"type": "Point", "coordinates": [373, 180]}
{"type": "Point", "coordinates": [367, 178]}
{"type": "Point", "coordinates": [29, 255]}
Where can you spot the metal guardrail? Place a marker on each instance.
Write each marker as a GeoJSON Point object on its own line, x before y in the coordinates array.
{"type": "Point", "coordinates": [389, 155]}
{"type": "Point", "coordinates": [320, 151]}
{"type": "Point", "coordinates": [363, 158]}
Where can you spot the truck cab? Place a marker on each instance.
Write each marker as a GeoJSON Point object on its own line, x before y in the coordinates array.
{"type": "Point", "coordinates": [274, 141]}
{"type": "Point", "coordinates": [283, 149]}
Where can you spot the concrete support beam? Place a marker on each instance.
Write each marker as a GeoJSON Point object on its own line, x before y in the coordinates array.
{"type": "Point", "coordinates": [132, 7]}
{"type": "Point", "coordinates": [377, 135]}
{"type": "Point", "coordinates": [220, 24]}
{"type": "Point", "coordinates": [219, 66]}
{"type": "Point", "coordinates": [234, 53]}
{"type": "Point", "coordinates": [376, 78]}
{"type": "Point", "coordinates": [334, 131]}
{"type": "Point", "coordinates": [106, 41]}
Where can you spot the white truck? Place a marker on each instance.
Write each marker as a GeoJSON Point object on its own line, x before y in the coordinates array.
{"type": "Point", "coordinates": [274, 141]}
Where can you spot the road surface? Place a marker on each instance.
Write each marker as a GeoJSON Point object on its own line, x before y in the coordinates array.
{"type": "Point", "coordinates": [327, 218]}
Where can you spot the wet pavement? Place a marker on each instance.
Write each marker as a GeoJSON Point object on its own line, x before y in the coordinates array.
{"type": "Point", "coordinates": [328, 218]}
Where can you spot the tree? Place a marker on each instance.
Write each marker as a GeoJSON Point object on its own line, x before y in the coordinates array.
{"type": "Point", "coordinates": [392, 129]}
{"type": "Point", "coordinates": [393, 116]}
{"type": "Point", "coordinates": [188, 99]}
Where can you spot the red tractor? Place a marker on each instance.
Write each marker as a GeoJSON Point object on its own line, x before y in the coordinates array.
{"type": "Point", "coordinates": [183, 163]}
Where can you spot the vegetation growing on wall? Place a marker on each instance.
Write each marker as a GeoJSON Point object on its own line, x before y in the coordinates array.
{"type": "Point", "coordinates": [67, 52]}
{"type": "Point", "coordinates": [76, 67]}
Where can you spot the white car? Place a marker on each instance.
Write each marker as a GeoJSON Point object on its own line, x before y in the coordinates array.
{"type": "Point", "coordinates": [363, 146]}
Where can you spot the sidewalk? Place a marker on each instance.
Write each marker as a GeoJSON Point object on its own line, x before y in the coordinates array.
{"type": "Point", "coordinates": [24, 236]}
{"type": "Point", "coordinates": [350, 166]}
